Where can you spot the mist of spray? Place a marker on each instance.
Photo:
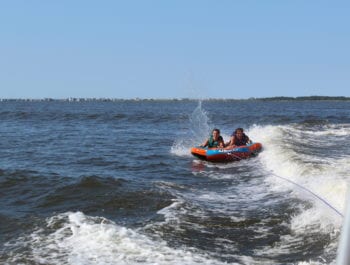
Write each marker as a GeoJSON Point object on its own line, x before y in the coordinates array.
{"type": "Point", "coordinates": [198, 131]}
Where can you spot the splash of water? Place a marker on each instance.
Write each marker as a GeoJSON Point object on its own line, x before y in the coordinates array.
{"type": "Point", "coordinates": [199, 129]}
{"type": "Point", "coordinates": [199, 123]}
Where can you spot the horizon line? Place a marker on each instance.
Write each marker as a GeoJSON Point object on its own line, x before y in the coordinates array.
{"type": "Point", "coordinates": [77, 99]}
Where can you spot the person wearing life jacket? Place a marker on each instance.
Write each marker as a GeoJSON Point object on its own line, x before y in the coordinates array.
{"type": "Point", "coordinates": [238, 138]}
{"type": "Point", "coordinates": [215, 140]}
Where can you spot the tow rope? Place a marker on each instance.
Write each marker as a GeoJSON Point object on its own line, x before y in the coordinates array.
{"type": "Point", "coordinates": [303, 188]}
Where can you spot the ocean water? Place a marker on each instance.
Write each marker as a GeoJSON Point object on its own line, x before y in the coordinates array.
{"type": "Point", "coordinates": [115, 183]}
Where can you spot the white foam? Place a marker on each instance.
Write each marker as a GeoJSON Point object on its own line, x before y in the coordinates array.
{"type": "Point", "coordinates": [337, 130]}
{"type": "Point", "coordinates": [326, 177]}
{"type": "Point", "coordinates": [182, 148]}
{"type": "Point", "coordinates": [80, 239]}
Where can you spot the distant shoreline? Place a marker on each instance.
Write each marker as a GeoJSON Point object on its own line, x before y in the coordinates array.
{"type": "Point", "coordinates": [71, 99]}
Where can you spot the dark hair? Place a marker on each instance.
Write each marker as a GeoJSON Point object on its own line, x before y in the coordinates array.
{"type": "Point", "coordinates": [216, 129]}
{"type": "Point", "coordinates": [239, 129]}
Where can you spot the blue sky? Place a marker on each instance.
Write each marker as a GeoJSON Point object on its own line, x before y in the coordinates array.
{"type": "Point", "coordinates": [174, 49]}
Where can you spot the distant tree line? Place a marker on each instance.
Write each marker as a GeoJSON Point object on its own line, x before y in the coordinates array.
{"type": "Point", "coordinates": [305, 98]}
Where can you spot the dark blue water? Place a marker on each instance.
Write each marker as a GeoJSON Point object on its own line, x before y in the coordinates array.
{"type": "Point", "coordinates": [114, 183]}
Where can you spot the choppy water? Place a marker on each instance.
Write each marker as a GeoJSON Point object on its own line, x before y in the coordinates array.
{"type": "Point", "coordinates": [114, 183]}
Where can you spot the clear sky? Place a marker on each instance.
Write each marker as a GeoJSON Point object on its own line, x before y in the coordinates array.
{"type": "Point", "coordinates": [174, 49]}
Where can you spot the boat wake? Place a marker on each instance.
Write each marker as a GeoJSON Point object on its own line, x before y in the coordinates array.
{"type": "Point", "coordinates": [76, 238]}
{"type": "Point", "coordinates": [307, 163]}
